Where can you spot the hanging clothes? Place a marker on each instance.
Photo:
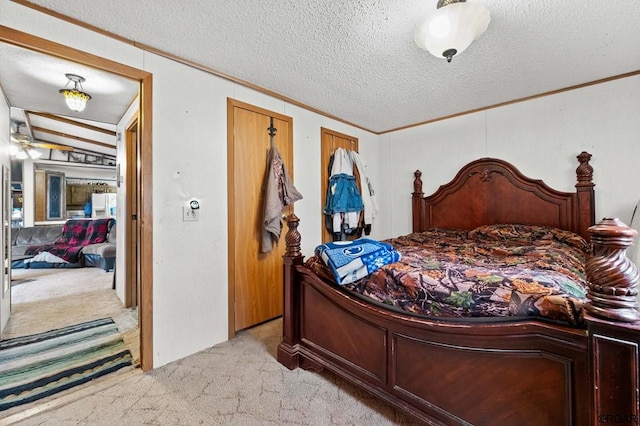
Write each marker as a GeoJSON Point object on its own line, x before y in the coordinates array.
{"type": "Point", "coordinates": [279, 192]}
{"type": "Point", "coordinates": [344, 202]}
{"type": "Point", "coordinates": [368, 194]}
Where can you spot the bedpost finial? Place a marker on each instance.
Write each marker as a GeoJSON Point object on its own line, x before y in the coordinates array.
{"type": "Point", "coordinates": [417, 183]}
{"type": "Point", "coordinates": [584, 172]}
{"type": "Point", "coordinates": [293, 237]}
{"type": "Point", "coordinates": [612, 277]}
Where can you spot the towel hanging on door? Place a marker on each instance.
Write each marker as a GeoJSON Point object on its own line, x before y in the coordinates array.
{"type": "Point", "coordinates": [279, 192]}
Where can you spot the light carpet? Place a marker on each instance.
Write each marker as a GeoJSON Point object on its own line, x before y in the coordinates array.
{"type": "Point", "coordinates": [238, 382]}
{"type": "Point", "coordinates": [44, 299]}
{"type": "Point", "coordinates": [36, 366]}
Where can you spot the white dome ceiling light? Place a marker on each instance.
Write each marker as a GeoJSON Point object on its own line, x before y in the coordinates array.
{"type": "Point", "coordinates": [451, 28]}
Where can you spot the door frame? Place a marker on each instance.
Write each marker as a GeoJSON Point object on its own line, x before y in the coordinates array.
{"type": "Point", "coordinates": [145, 216]}
{"type": "Point", "coordinates": [132, 248]}
{"type": "Point", "coordinates": [5, 250]}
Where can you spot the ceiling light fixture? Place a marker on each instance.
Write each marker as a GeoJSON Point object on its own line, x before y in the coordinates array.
{"type": "Point", "coordinates": [76, 99]}
{"type": "Point", "coordinates": [22, 153]}
{"type": "Point", "coordinates": [451, 28]}
{"type": "Point", "coordinates": [34, 154]}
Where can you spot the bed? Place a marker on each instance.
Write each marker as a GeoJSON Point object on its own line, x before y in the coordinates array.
{"type": "Point", "coordinates": [482, 371]}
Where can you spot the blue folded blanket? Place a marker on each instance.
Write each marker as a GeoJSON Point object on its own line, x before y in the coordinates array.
{"type": "Point", "coordinates": [352, 260]}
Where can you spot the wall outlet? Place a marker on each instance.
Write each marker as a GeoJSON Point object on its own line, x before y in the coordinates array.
{"type": "Point", "coordinates": [189, 214]}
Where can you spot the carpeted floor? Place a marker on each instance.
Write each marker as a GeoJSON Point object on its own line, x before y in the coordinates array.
{"type": "Point", "coordinates": [38, 365]}
{"type": "Point", "coordinates": [45, 299]}
{"type": "Point", "coordinates": [238, 382]}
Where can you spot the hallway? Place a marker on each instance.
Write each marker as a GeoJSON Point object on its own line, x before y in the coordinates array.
{"type": "Point", "coordinates": [48, 299]}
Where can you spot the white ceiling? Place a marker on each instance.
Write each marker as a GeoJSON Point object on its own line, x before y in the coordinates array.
{"type": "Point", "coordinates": [356, 59]}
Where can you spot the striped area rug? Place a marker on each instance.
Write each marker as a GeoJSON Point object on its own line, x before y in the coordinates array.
{"type": "Point", "coordinates": [39, 365]}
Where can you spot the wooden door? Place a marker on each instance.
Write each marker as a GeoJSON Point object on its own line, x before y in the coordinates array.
{"type": "Point", "coordinates": [40, 200]}
{"type": "Point", "coordinates": [330, 141]}
{"type": "Point", "coordinates": [255, 279]}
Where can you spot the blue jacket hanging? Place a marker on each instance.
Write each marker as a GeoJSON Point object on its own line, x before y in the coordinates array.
{"type": "Point", "coordinates": [343, 195]}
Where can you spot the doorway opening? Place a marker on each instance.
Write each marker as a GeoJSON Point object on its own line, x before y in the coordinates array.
{"type": "Point", "coordinates": [143, 262]}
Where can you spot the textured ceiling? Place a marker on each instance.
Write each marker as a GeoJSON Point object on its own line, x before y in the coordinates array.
{"type": "Point", "coordinates": [356, 59]}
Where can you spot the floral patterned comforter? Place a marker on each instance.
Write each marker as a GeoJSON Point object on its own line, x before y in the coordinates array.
{"type": "Point", "coordinates": [491, 271]}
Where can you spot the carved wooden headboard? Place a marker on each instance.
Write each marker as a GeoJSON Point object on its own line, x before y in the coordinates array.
{"type": "Point", "coordinates": [490, 191]}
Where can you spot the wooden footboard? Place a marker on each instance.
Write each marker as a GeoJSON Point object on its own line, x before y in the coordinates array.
{"type": "Point", "coordinates": [455, 373]}
{"type": "Point", "coordinates": [461, 373]}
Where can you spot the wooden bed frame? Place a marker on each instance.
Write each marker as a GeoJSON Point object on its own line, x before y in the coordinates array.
{"type": "Point", "coordinates": [526, 372]}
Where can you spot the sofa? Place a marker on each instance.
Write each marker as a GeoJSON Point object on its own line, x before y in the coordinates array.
{"type": "Point", "coordinates": [24, 241]}
{"type": "Point", "coordinates": [101, 255]}
{"type": "Point", "coordinates": [21, 238]}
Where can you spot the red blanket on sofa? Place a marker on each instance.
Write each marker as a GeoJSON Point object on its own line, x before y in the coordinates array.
{"type": "Point", "coordinates": [76, 234]}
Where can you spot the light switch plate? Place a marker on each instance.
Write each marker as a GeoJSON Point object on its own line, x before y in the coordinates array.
{"type": "Point", "coordinates": [189, 214]}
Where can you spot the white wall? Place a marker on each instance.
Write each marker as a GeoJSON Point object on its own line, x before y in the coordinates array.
{"type": "Point", "coordinates": [541, 137]}
{"type": "Point", "coordinates": [190, 161]}
{"type": "Point", "coordinates": [28, 192]}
